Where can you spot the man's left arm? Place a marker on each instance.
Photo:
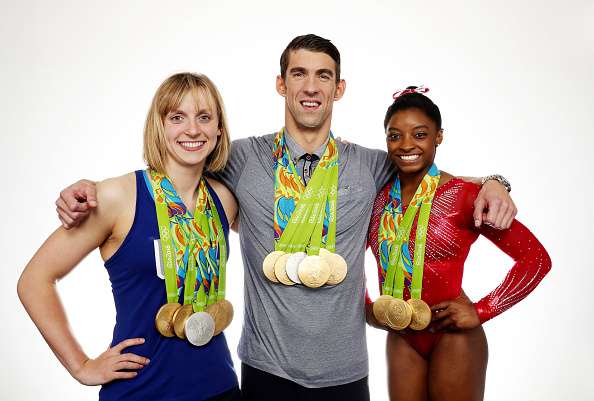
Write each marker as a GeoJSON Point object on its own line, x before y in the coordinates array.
{"type": "Point", "coordinates": [493, 205]}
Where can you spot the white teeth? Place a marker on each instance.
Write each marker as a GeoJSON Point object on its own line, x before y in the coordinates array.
{"type": "Point", "coordinates": [409, 157]}
{"type": "Point", "coordinates": [309, 104]}
{"type": "Point", "coordinates": [192, 144]}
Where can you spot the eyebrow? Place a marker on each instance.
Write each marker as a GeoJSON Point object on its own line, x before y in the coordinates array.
{"type": "Point", "coordinates": [325, 71]}
{"type": "Point", "coordinates": [318, 72]}
{"type": "Point", "coordinates": [201, 111]}
{"type": "Point", "coordinates": [390, 129]}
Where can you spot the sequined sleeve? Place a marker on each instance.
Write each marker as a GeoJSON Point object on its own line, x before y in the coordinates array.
{"type": "Point", "coordinates": [531, 264]}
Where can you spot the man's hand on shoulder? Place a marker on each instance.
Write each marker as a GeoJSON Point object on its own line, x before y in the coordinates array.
{"type": "Point", "coordinates": [76, 202]}
{"type": "Point", "coordinates": [494, 206]}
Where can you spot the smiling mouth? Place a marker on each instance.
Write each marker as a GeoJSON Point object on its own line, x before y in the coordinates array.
{"type": "Point", "coordinates": [191, 145]}
{"type": "Point", "coordinates": [409, 158]}
{"type": "Point", "coordinates": [310, 105]}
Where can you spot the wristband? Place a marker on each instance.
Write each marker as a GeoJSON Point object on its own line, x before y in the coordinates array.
{"type": "Point", "coordinates": [497, 177]}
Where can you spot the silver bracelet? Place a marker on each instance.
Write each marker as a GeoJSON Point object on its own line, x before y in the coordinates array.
{"type": "Point", "coordinates": [497, 177]}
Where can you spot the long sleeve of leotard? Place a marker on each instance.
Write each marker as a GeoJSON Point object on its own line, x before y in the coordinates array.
{"type": "Point", "coordinates": [531, 264]}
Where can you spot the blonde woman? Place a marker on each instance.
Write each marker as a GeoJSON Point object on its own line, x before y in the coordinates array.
{"type": "Point", "coordinates": [185, 135]}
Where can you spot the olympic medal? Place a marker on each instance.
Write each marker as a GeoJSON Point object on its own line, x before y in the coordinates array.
{"type": "Point", "coordinates": [338, 266]}
{"type": "Point", "coordinates": [268, 265]}
{"type": "Point", "coordinates": [200, 328]}
{"type": "Point", "coordinates": [421, 314]}
{"type": "Point", "coordinates": [380, 306]}
{"type": "Point", "coordinates": [398, 314]}
{"type": "Point", "coordinates": [179, 320]}
{"type": "Point", "coordinates": [164, 319]}
{"type": "Point", "coordinates": [313, 271]}
{"type": "Point", "coordinates": [280, 269]}
{"type": "Point", "coordinates": [222, 314]}
{"type": "Point", "coordinates": [292, 266]}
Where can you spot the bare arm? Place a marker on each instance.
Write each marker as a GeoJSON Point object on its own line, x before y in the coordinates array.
{"type": "Point", "coordinates": [59, 255]}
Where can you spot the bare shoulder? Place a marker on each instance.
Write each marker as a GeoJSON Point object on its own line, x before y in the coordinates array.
{"type": "Point", "coordinates": [116, 191]}
{"type": "Point", "coordinates": [445, 177]}
{"type": "Point", "coordinates": [227, 199]}
{"type": "Point", "coordinates": [116, 198]}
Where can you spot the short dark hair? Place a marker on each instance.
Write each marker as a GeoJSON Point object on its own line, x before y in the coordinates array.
{"type": "Point", "coordinates": [312, 43]}
{"type": "Point", "coordinates": [414, 100]}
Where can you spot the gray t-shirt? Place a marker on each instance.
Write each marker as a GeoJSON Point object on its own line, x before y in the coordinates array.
{"type": "Point", "coordinates": [314, 337]}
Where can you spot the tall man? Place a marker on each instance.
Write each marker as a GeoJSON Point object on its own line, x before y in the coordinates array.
{"type": "Point", "coordinates": [300, 343]}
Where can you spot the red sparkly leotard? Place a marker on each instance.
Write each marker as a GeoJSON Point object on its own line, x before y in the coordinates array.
{"type": "Point", "coordinates": [450, 234]}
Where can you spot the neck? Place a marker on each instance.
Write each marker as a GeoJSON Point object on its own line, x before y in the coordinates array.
{"type": "Point", "coordinates": [310, 139]}
{"type": "Point", "coordinates": [409, 182]}
{"type": "Point", "coordinates": [185, 181]}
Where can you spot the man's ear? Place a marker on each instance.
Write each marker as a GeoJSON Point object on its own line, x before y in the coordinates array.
{"type": "Point", "coordinates": [281, 88]}
{"type": "Point", "coordinates": [340, 88]}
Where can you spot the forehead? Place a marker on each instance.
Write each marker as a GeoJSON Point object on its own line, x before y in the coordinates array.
{"type": "Point", "coordinates": [410, 117]}
{"type": "Point", "coordinates": [310, 60]}
{"type": "Point", "coordinates": [193, 100]}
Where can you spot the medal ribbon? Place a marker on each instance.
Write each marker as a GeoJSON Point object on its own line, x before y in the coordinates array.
{"type": "Point", "coordinates": [299, 208]}
{"type": "Point", "coordinates": [196, 244]}
{"type": "Point", "coordinates": [394, 235]}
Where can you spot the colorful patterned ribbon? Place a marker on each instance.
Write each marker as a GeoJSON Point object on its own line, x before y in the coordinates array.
{"type": "Point", "coordinates": [298, 208]}
{"type": "Point", "coordinates": [394, 232]}
{"type": "Point", "coordinates": [196, 244]}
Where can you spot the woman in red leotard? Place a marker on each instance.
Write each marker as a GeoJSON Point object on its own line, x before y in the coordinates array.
{"type": "Point", "coordinates": [447, 360]}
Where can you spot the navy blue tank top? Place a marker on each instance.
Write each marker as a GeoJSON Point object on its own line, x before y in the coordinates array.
{"type": "Point", "coordinates": [177, 370]}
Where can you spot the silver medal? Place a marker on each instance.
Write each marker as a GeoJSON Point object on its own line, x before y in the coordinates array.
{"type": "Point", "coordinates": [293, 264]}
{"type": "Point", "coordinates": [200, 328]}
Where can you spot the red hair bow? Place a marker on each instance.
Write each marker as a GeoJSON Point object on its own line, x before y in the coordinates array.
{"type": "Point", "coordinates": [420, 89]}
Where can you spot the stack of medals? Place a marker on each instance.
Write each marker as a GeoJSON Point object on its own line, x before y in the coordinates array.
{"type": "Point", "coordinates": [390, 309]}
{"type": "Point", "coordinates": [196, 245]}
{"type": "Point", "coordinates": [305, 222]}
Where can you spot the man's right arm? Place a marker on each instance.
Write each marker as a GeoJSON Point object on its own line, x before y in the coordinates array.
{"type": "Point", "coordinates": [238, 155]}
{"type": "Point", "coordinates": [76, 201]}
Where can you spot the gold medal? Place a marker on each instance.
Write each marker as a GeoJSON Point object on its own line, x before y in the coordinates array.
{"type": "Point", "coordinates": [421, 314]}
{"type": "Point", "coordinates": [380, 306]}
{"type": "Point", "coordinates": [280, 269]}
{"type": "Point", "coordinates": [222, 314]}
{"type": "Point", "coordinates": [179, 320]}
{"type": "Point", "coordinates": [314, 271]}
{"type": "Point", "coordinates": [338, 266]}
{"type": "Point", "coordinates": [164, 319]}
{"type": "Point", "coordinates": [398, 314]}
{"type": "Point", "coordinates": [268, 265]}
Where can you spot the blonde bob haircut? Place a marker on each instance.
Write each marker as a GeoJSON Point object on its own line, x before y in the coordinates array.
{"type": "Point", "coordinates": [167, 99]}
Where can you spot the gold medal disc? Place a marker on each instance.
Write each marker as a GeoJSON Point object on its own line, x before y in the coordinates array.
{"type": "Point", "coordinates": [222, 314]}
{"type": "Point", "coordinates": [164, 319]}
{"type": "Point", "coordinates": [338, 266]}
{"type": "Point", "coordinates": [398, 314]}
{"type": "Point", "coordinates": [268, 265]}
{"type": "Point", "coordinates": [280, 269]}
{"type": "Point", "coordinates": [179, 320]}
{"type": "Point", "coordinates": [421, 314]}
{"type": "Point", "coordinates": [380, 306]}
{"type": "Point", "coordinates": [313, 271]}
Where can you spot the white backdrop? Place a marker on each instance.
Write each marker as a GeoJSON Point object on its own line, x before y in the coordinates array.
{"type": "Point", "coordinates": [514, 80]}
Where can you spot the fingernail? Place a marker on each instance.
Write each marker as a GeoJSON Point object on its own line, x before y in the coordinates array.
{"type": "Point", "coordinates": [141, 340]}
{"type": "Point", "coordinates": [148, 361]}
{"type": "Point", "coordinates": [477, 223]}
